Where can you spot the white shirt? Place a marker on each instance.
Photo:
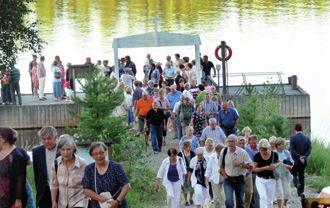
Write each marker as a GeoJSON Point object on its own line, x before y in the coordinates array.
{"type": "Point", "coordinates": [163, 170]}
{"type": "Point", "coordinates": [212, 170]}
{"type": "Point", "coordinates": [50, 158]}
{"type": "Point", "coordinates": [128, 100]}
{"type": "Point", "coordinates": [127, 80]}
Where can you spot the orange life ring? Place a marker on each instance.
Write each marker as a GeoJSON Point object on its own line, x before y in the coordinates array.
{"type": "Point", "coordinates": [216, 53]}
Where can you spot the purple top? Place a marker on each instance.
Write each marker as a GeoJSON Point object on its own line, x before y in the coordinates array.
{"type": "Point", "coordinates": [172, 174]}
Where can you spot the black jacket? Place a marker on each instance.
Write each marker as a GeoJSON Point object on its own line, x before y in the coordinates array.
{"type": "Point", "coordinates": [43, 198]}
{"type": "Point", "coordinates": [300, 145]}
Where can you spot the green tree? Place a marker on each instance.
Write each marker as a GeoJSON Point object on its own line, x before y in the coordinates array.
{"type": "Point", "coordinates": [261, 113]}
{"type": "Point", "coordinates": [17, 32]}
{"type": "Point", "coordinates": [100, 98]}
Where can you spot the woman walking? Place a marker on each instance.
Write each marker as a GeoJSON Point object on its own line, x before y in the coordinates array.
{"type": "Point", "coordinates": [283, 181]}
{"type": "Point", "coordinates": [266, 161]}
{"type": "Point", "coordinates": [105, 180]}
{"type": "Point", "coordinates": [66, 176]}
{"type": "Point", "coordinates": [12, 171]}
{"type": "Point", "coordinates": [198, 120]}
{"type": "Point", "coordinates": [187, 154]}
{"type": "Point", "coordinates": [57, 83]}
{"type": "Point", "coordinates": [172, 171]}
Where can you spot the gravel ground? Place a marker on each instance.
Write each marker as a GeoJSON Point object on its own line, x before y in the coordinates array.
{"type": "Point", "coordinates": [170, 142]}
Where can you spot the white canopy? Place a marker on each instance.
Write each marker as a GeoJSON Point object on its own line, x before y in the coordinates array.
{"type": "Point", "coordinates": [157, 39]}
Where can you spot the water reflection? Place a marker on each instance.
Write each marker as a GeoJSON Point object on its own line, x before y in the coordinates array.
{"type": "Point", "coordinates": [184, 15]}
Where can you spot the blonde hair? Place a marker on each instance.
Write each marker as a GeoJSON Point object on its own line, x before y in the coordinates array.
{"type": "Point", "coordinates": [264, 143]}
{"type": "Point", "coordinates": [272, 139]}
{"type": "Point", "coordinates": [248, 129]}
{"type": "Point", "coordinates": [209, 141]}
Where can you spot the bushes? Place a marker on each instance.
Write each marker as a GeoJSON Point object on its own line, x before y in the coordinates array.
{"type": "Point", "coordinates": [260, 112]}
{"type": "Point", "coordinates": [319, 165]}
{"type": "Point", "coordinates": [99, 101]}
{"type": "Point", "coordinates": [96, 123]}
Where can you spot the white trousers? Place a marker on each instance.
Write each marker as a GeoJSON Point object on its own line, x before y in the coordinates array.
{"type": "Point", "coordinates": [200, 195]}
{"type": "Point", "coordinates": [266, 190]}
{"type": "Point", "coordinates": [41, 87]}
{"type": "Point", "coordinates": [283, 188]}
{"type": "Point", "coordinates": [173, 191]}
{"type": "Point", "coordinates": [218, 195]}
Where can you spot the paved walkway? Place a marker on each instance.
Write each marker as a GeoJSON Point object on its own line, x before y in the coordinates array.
{"type": "Point", "coordinates": [170, 142]}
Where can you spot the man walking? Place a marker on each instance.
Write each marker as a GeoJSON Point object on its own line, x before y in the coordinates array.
{"type": "Point", "coordinates": [156, 120]}
{"type": "Point", "coordinates": [228, 119]}
{"type": "Point", "coordinates": [300, 149]}
{"type": "Point", "coordinates": [233, 164]}
{"type": "Point", "coordinates": [43, 159]}
{"type": "Point", "coordinates": [143, 106]}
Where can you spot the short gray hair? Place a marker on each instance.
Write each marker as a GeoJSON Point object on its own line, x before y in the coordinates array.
{"type": "Point", "coordinates": [173, 86]}
{"type": "Point", "coordinates": [47, 130]}
{"type": "Point", "coordinates": [264, 143]}
{"type": "Point", "coordinates": [212, 119]}
{"type": "Point", "coordinates": [233, 136]}
{"type": "Point", "coordinates": [67, 139]}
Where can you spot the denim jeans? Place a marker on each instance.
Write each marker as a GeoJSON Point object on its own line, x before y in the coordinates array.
{"type": "Point", "coordinates": [142, 120]}
{"type": "Point", "coordinates": [30, 201]}
{"type": "Point", "coordinates": [156, 137]}
{"type": "Point", "coordinates": [234, 185]}
{"type": "Point", "coordinates": [14, 87]}
{"type": "Point", "coordinates": [178, 127]}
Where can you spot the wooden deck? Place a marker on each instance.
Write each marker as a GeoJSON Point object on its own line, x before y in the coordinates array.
{"type": "Point", "coordinates": [33, 114]}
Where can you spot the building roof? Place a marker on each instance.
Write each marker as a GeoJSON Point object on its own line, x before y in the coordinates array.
{"type": "Point", "coordinates": [156, 39]}
{"type": "Point", "coordinates": [281, 89]}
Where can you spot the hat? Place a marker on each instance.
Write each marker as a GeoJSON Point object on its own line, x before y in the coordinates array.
{"type": "Point", "coordinates": [199, 151]}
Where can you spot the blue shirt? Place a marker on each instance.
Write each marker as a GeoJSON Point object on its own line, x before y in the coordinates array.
{"type": "Point", "coordinates": [111, 181]}
{"type": "Point", "coordinates": [172, 174]}
{"type": "Point", "coordinates": [173, 98]}
{"type": "Point", "coordinates": [228, 118]}
{"type": "Point", "coordinates": [169, 72]}
{"type": "Point", "coordinates": [251, 152]}
{"type": "Point", "coordinates": [194, 142]}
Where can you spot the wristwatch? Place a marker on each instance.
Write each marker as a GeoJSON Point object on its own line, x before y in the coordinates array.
{"type": "Point", "coordinates": [119, 202]}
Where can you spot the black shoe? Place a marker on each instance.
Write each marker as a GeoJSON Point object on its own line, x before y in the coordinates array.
{"type": "Point", "coordinates": [191, 202]}
{"type": "Point", "coordinates": [187, 204]}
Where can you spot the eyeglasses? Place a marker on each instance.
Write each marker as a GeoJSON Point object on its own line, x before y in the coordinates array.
{"type": "Point", "coordinates": [98, 153]}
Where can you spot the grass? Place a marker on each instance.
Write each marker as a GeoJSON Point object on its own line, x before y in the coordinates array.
{"type": "Point", "coordinates": [318, 166]}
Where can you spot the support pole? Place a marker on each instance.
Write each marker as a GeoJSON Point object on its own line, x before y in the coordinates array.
{"type": "Point", "coordinates": [224, 74]}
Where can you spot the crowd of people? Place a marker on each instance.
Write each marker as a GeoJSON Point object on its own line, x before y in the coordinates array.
{"type": "Point", "coordinates": [212, 162]}
{"type": "Point", "coordinates": [62, 178]}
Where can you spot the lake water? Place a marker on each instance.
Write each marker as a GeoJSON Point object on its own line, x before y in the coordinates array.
{"type": "Point", "coordinates": [266, 36]}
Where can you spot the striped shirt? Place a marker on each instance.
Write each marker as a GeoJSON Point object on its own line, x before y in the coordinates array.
{"type": "Point", "coordinates": [241, 155]}
{"type": "Point", "coordinates": [216, 134]}
{"type": "Point", "coordinates": [68, 182]}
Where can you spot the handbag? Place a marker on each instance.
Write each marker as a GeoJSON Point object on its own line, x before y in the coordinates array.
{"type": "Point", "coordinates": [104, 194]}
{"type": "Point", "coordinates": [276, 173]}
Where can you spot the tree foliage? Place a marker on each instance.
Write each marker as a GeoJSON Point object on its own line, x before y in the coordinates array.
{"type": "Point", "coordinates": [18, 33]}
{"type": "Point", "coordinates": [96, 121]}
{"type": "Point", "coordinates": [261, 113]}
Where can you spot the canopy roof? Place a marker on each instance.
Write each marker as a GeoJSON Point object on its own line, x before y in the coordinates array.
{"type": "Point", "coordinates": [156, 39]}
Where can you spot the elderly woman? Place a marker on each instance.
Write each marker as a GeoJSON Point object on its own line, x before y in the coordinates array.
{"type": "Point", "coordinates": [265, 164]}
{"type": "Point", "coordinates": [196, 173]}
{"type": "Point", "coordinates": [208, 149]}
{"type": "Point", "coordinates": [272, 141]}
{"type": "Point", "coordinates": [66, 176]}
{"type": "Point", "coordinates": [172, 171]}
{"type": "Point", "coordinates": [105, 180]}
{"type": "Point", "coordinates": [282, 192]}
{"type": "Point", "coordinates": [198, 120]}
{"type": "Point", "coordinates": [246, 131]}
{"type": "Point", "coordinates": [12, 171]}
{"type": "Point", "coordinates": [189, 137]}
{"type": "Point", "coordinates": [212, 175]}
{"type": "Point", "coordinates": [187, 154]}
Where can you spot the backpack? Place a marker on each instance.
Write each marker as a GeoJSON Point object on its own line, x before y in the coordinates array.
{"type": "Point", "coordinates": [186, 113]}
{"type": "Point", "coordinates": [222, 167]}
